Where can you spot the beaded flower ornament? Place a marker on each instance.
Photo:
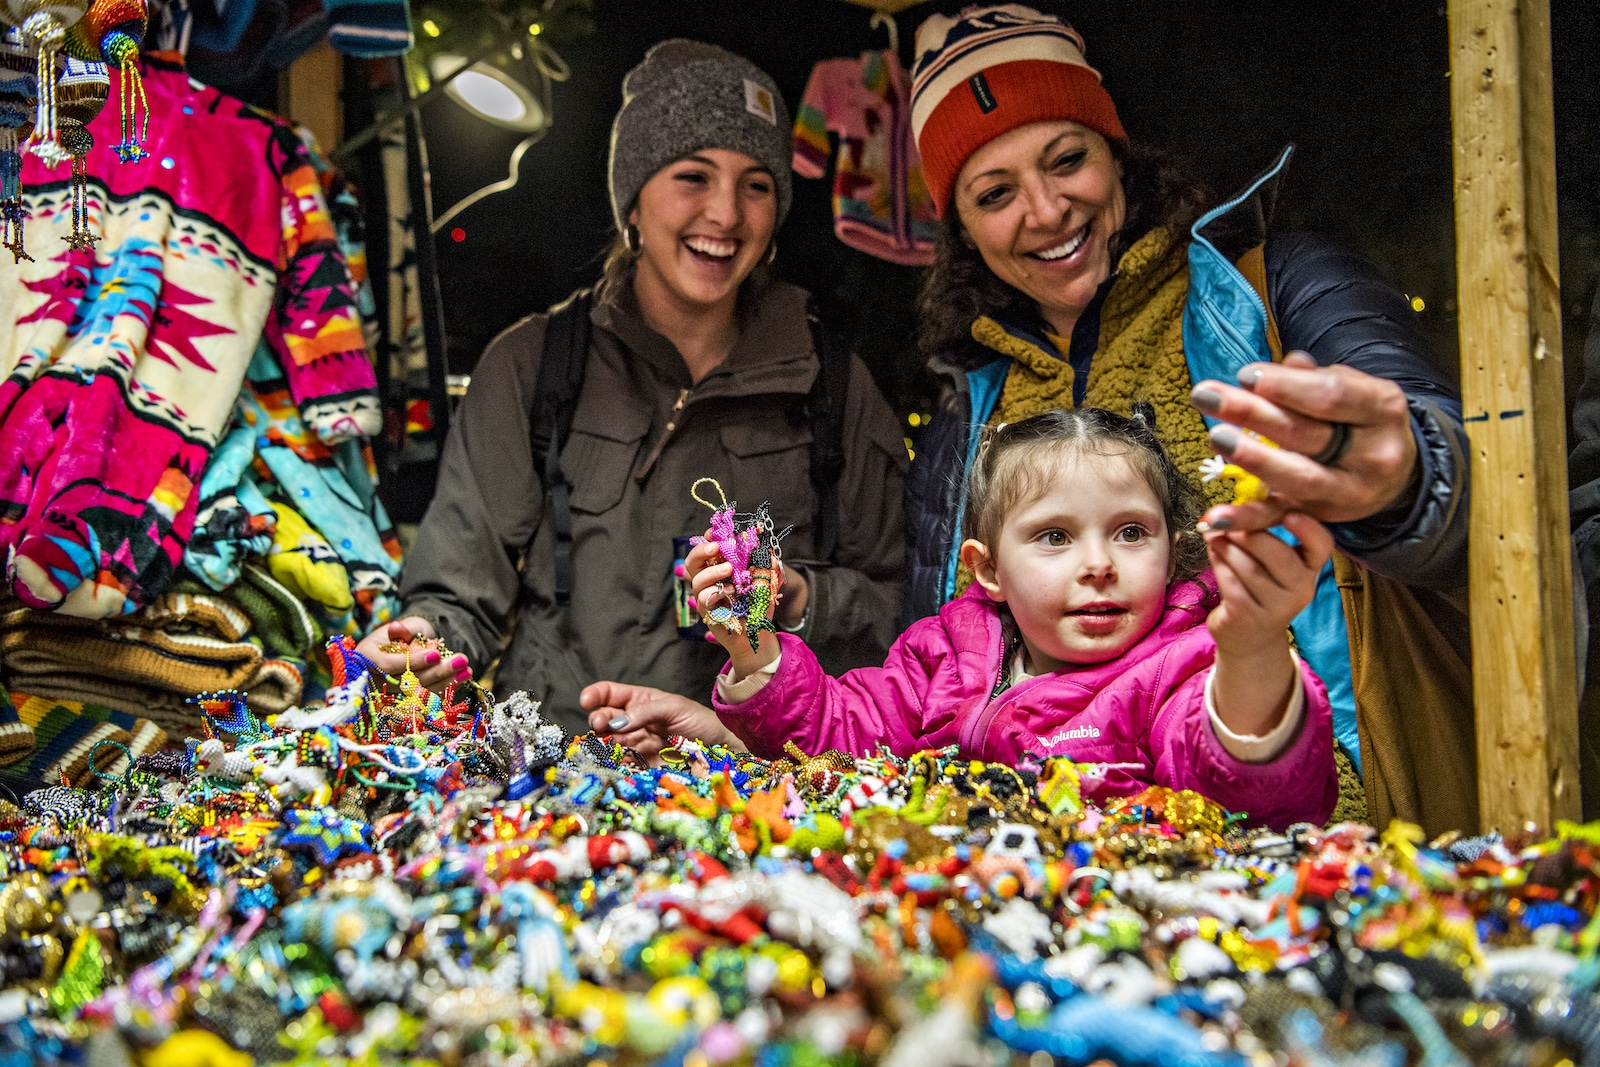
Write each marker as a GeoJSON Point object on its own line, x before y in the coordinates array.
{"type": "Point", "coordinates": [749, 542]}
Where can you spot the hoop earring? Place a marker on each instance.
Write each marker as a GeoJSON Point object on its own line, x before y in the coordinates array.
{"type": "Point", "coordinates": [772, 252]}
{"type": "Point", "coordinates": [632, 239]}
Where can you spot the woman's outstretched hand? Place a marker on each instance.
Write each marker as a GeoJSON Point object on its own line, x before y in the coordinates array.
{"type": "Point", "coordinates": [642, 718]}
{"type": "Point", "coordinates": [1299, 405]}
{"type": "Point", "coordinates": [431, 669]}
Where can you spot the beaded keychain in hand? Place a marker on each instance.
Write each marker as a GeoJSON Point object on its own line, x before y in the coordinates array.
{"type": "Point", "coordinates": [750, 544]}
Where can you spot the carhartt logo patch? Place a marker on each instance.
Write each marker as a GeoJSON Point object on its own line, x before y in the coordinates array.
{"type": "Point", "coordinates": [758, 101]}
{"type": "Point", "coordinates": [980, 90]}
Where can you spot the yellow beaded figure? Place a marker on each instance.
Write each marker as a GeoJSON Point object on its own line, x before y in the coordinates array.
{"type": "Point", "coordinates": [1247, 488]}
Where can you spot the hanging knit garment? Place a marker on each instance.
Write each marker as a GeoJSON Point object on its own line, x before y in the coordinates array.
{"type": "Point", "coordinates": [880, 201]}
{"type": "Point", "coordinates": [121, 364]}
{"type": "Point", "coordinates": [275, 489]}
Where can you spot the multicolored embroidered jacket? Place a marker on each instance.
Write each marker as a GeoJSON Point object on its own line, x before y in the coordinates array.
{"type": "Point", "coordinates": [880, 203]}
{"type": "Point", "coordinates": [119, 366]}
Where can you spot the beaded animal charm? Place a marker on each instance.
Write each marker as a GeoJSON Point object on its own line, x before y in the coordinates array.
{"type": "Point", "coordinates": [765, 561]}
{"type": "Point", "coordinates": [750, 543]}
{"type": "Point", "coordinates": [1247, 488]}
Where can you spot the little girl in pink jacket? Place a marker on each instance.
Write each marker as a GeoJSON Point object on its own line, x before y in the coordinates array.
{"type": "Point", "coordinates": [1091, 630]}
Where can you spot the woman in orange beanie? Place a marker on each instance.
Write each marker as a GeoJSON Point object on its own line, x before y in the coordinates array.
{"type": "Point", "coordinates": [1077, 268]}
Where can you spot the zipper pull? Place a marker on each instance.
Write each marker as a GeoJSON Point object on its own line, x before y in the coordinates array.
{"type": "Point", "coordinates": [672, 423]}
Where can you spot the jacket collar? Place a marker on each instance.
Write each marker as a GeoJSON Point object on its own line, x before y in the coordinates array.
{"type": "Point", "coordinates": [772, 355]}
{"type": "Point", "coordinates": [1143, 268]}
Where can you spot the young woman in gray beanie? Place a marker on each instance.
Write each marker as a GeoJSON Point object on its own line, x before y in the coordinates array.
{"type": "Point", "coordinates": [700, 363]}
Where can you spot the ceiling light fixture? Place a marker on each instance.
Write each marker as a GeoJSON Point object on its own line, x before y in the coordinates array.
{"type": "Point", "coordinates": [490, 93]}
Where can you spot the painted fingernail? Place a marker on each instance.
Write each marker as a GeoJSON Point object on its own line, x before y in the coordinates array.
{"type": "Point", "coordinates": [1207, 400]}
{"type": "Point", "coordinates": [711, 637]}
{"type": "Point", "coordinates": [694, 605]}
{"type": "Point", "coordinates": [1249, 376]}
{"type": "Point", "coordinates": [459, 662]}
{"type": "Point", "coordinates": [463, 674]}
{"type": "Point", "coordinates": [1224, 440]}
{"type": "Point", "coordinates": [680, 570]}
{"type": "Point", "coordinates": [431, 658]}
{"type": "Point", "coordinates": [1215, 526]}
{"type": "Point", "coordinates": [618, 723]}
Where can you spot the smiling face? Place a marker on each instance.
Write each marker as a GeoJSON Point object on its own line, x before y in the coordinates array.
{"type": "Point", "coordinates": [1041, 203]}
{"type": "Point", "coordinates": [704, 223]}
{"type": "Point", "coordinates": [1083, 562]}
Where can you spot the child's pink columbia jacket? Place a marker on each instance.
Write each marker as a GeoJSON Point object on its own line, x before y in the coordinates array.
{"type": "Point", "coordinates": [1147, 707]}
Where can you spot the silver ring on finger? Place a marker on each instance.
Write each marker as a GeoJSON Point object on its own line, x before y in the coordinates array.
{"type": "Point", "coordinates": [1338, 444]}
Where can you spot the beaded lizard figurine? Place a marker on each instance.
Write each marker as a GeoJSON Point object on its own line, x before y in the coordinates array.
{"type": "Point", "coordinates": [750, 544]}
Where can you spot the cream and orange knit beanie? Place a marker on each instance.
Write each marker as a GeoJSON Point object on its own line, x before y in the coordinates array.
{"type": "Point", "coordinates": [990, 70]}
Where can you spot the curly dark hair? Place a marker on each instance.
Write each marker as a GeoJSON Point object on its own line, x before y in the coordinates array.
{"type": "Point", "coordinates": [1014, 458]}
{"type": "Point", "coordinates": [959, 287]}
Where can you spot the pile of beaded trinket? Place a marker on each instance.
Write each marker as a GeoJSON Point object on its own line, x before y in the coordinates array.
{"type": "Point", "coordinates": [401, 877]}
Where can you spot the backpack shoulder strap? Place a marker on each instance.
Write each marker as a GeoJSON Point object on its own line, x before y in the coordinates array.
{"type": "Point", "coordinates": [555, 399]}
{"type": "Point", "coordinates": [829, 394]}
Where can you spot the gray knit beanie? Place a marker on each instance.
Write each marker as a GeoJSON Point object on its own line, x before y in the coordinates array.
{"type": "Point", "coordinates": [686, 96]}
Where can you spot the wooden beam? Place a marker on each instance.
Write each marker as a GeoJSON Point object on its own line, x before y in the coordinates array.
{"type": "Point", "coordinates": [310, 93]}
{"type": "Point", "coordinates": [1510, 320]}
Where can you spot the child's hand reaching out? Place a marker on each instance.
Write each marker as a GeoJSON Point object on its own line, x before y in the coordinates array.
{"type": "Point", "coordinates": [1265, 583]}
{"type": "Point", "coordinates": [711, 585]}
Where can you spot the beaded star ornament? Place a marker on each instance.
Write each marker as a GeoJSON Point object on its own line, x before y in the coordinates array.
{"type": "Point", "coordinates": [750, 543]}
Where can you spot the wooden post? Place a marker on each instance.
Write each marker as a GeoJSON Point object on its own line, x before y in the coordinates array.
{"type": "Point", "coordinates": [1510, 317]}
{"type": "Point", "coordinates": [309, 92]}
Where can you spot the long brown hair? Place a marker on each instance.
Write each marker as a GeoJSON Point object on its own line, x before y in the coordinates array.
{"type": "Point", "coordinates": [960, 287]}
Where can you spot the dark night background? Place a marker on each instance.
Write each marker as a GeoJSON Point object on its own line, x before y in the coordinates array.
{"type": "Point", "coordinates": [1360, 86]}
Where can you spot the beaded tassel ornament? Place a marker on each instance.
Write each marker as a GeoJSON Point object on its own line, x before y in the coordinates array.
{"type": "Point", "coordinates": [44, 26]}
{"type": "Point", "coordinates": [112, 31]}
{"type": "Point", "coordinates": [81, 91]}
{"type": "Point", "coordinates": [750, 544]}
{"type": "Point", "coordinates": [16, 125]}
